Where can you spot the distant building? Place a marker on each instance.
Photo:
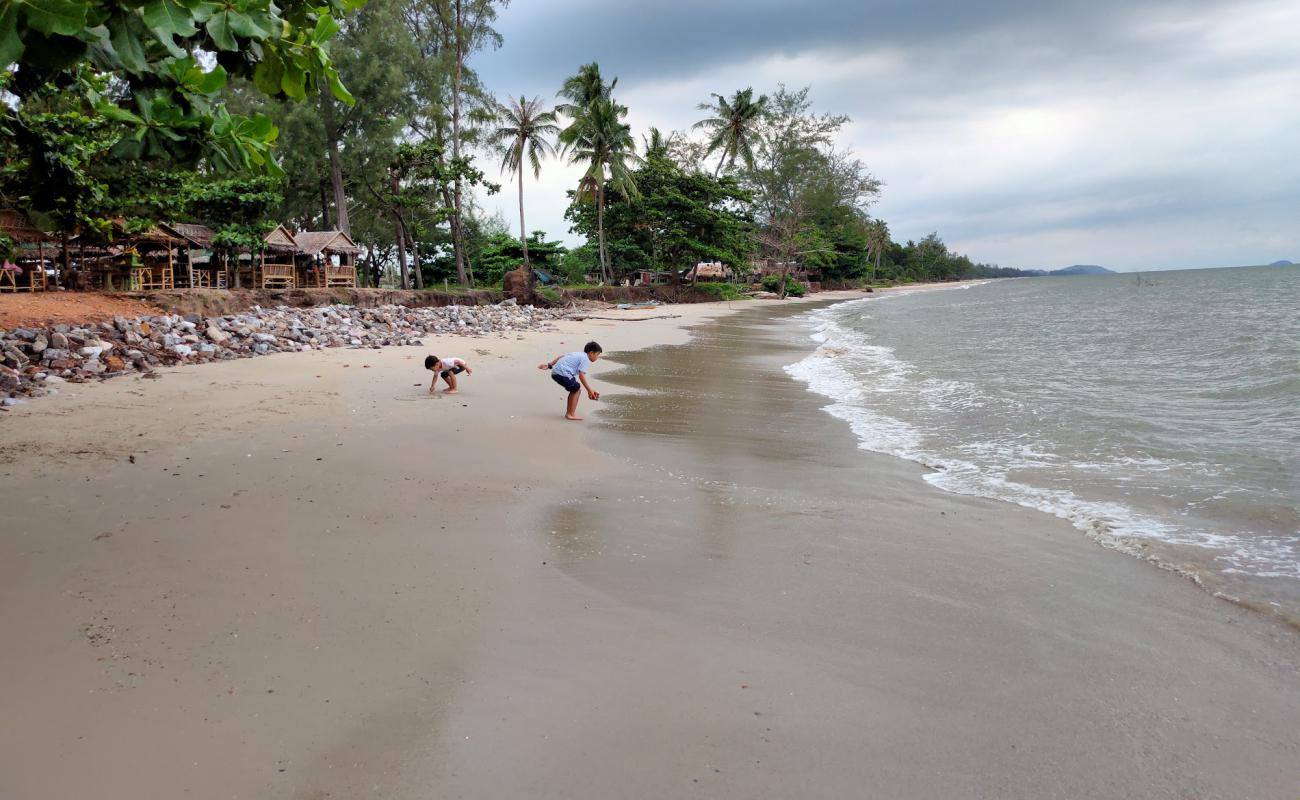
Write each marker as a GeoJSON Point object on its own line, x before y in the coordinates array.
{"type": "Point", "coordinates": [709, 271]}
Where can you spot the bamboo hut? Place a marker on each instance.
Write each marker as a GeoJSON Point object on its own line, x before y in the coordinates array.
{"type": "Point", "coordinates": [203, 271]}
{"type": "Point", "coordinates": [279, 272]}
{"type": "Point", "coordinates": [331, 258]}
{"type": "Point", "coordinates": [27, 273]}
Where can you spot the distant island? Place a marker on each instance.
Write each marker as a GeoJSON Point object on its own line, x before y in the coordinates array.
{"type": "Point", "coordinates": [1282, 263]}
{"type": "Point", "coordinates": [1074, 269]}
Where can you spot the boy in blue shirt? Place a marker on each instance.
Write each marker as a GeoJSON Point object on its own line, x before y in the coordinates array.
{"type": "Point", "coordinates": [570, 371]}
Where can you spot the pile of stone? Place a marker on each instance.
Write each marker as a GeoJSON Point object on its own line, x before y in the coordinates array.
{"type": "Point", "coordinates": [33, 361]}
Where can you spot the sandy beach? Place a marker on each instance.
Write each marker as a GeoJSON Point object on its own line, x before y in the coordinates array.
{"type": "Point", "coordinates": [302, 576]}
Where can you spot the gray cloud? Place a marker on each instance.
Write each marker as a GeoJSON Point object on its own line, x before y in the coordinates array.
{"type": "Point", "coordinates": [1024, 133]}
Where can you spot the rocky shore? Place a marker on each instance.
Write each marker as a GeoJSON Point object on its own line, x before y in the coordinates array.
{"type": "Point", "coordinates": [34, 361]}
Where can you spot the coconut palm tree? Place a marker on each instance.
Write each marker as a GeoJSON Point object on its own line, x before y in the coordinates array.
{"type": "Point", "coordinates": [731, 128]}
{"type": "Point", "coordinates": [602, 141]}
{"type": "Point", "coordinates": [877, 240]}
{"type": "Point", "coordinates": [524, 130]}
{"type": "Point", "coordinates": [582, 90]}
{"type": "Point", "coordinates": [656, 144]}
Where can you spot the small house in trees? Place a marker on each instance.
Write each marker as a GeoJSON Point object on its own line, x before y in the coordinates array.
{"type": "Point", "coordinates": [709, 271]}
{"type": "Point", "coordinates": [24, 269]}
{"type": "Point", "coordinates": [331, 258]}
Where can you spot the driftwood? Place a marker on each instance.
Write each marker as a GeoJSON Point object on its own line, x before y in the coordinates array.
{"type": "Point", "coordinates": [626, 319]}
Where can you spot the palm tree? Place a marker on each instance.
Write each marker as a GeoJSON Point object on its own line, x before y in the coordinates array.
{"type": "Point", "coordinates": [731, 128]}
{"type": "Point", "coordinates": [582, 91]}
{"type": "Point", "coordinates": [601, 139]}
{"type": "Point", "coordinates": [523, 133]}
{"type": "Point", "coordinates": [656, 144]}
{"type": "Point", "coordinates": [877, 240]}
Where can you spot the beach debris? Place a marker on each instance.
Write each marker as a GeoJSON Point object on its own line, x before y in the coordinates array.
{"type": "Point", "coordinates": [33, 360]}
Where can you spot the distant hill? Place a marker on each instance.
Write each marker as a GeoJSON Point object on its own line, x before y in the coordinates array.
{"type": "Point", "coordinates": [1075, 269]}
{"type": "Point", "coordinates": [1282, 263]}
{"type": "Point", "coordinates": [1082, 269]}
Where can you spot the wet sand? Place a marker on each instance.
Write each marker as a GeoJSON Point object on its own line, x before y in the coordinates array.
{"type": "Point", "coordinates": [705, 590]}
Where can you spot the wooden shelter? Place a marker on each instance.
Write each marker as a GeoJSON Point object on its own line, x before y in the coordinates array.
{"type": "Point", "coordinates": [28, 274]}
{"type": "Point", "coordinates": [331, 258]}
{"type": "Point", "coordinates": [201, 272]}
{"type": "Point", "coordinates": [279, 272]}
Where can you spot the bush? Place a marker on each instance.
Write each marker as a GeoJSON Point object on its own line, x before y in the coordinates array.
{"type": "Point", "coordinates": [721, 291]}
{"type": "Point", "coordinates": [549, 294]}
{"type": "Point", "coordinates": [793, 288]}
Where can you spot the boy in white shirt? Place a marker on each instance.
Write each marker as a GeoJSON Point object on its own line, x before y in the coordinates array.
{"type": "Point", "coordinates": [446, 368]}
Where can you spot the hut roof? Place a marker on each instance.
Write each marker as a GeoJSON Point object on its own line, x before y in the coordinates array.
{"type": "Point", "coordinates": [154, 234]}
{"type": "Point", "coordinates": [280, 239]}
{"type": "Point", "coordinates": [199, 235]}
{"type": "Point", "coordinates": [18, 227]}
{"type": "Point", "coordinates": [313, 242]}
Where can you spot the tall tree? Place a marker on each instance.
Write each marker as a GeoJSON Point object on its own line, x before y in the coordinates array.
{"type": "Point", "coordinates": [524, 133]}
{"type": "Point", "coordinates": [732, 127]}
{"type": "Point", "coordinates": [877, 241]}
{"type": "Point", "coordinates": [602, 141]}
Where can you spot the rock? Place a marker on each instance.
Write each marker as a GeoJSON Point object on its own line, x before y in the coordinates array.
{"type": "Point", "coordinates": [216, 335]}
{"type": "Point", "coordinates": [59, 338]}
{"type": "Point", "coordinates": [91, 352]}
{"type": "Point", "coordinates": [54, 379]}
{"type": "Point", "coordinates": [93, 366]}
{"type": "Point", "coordinates": [114, 363]}
{"type": "Point", "coordinates": [182, 350]}
{"type": "Point", "coordinates": [39, 345]}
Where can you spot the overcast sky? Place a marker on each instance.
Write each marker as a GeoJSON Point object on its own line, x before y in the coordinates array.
{"type": "Point", "coordinates": [1027, 134]}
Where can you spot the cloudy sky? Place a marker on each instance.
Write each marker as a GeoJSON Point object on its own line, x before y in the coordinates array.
{"type": "Point", "coordinates": [1027, 134]}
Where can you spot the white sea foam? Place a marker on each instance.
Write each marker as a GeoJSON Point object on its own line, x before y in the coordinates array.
{"type": "Point", "coordinates": [863, 379]}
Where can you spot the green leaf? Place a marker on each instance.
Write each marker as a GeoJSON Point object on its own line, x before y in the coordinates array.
{"type": "Point", "coordinates": [11, 45]}
{"type": "Point", "coordinates": [220, 32]}
{"type": "Point", "coordinates": [127, 45]}
{"type": "Point", "coordinates": [119, 114]}
{"type": "Point", "coordinates": [338, 89]}
{"type": "Point", "coordinates": [267, 73]}
{"type": "Point", "coordinates": [203, 12]}
{"type": "Point", "coordinates": [209, 82]}
{"type": "Point", "coordinates": [293, 82]}
{"type": "Point", "coordinates": [326, 28]}
{"type": "Point", "coordinates": [168, 19]}
{"type": "Point", "coordinates": [246, 26]}
{"type": "Point", "coordinates": [65, 17]}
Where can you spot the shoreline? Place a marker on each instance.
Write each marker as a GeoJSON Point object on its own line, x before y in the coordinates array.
{"type": "Point", "coordinates": [309, 585]}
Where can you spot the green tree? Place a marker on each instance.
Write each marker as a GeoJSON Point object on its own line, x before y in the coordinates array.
{"type": "Point", "coordinates": [524, 135]}
{"type": "Point", "coordinates": [675, 219]}
{"type": "Point", "coordinates": [138, 75]}
{"type": "Point", "coordinates": [732, 128]}
{"type": "Point", "coordinates": [598, 138]}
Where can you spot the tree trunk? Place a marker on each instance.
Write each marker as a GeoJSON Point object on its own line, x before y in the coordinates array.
{"type": "Point", "coordinates": [399, 232]}
{"type": "Point", "coordinates": [457, 228]}
{"type": "Point", "coordinates": [415, 258]}
{"type": "Point", "coordinates": [523, 231]}
{"type": "Point", "coordinates": [336, 166]}
{"type": "Point", "coordinates": [600, 229]}
{"type": "Point", "coordinates": [875, 267]}
{"type": "Point", "coordinates": [324, 208]}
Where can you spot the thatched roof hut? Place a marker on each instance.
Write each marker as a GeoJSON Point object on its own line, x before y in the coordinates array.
{"type": "Point", "coordinates": [18, 227]}
{"type": "Point", "coordinates": [313, 243]}
{"type": "Point", "coordinates": [199, 236]}
{"type": "Point", "coordinates": [280, 241]}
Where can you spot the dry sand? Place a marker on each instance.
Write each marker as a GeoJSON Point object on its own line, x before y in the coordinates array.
{"type": "Point", "coordinates": [314, 580]}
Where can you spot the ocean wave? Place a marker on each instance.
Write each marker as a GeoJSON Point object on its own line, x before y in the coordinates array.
{"type": "Point", "coordinates": [859, 375]}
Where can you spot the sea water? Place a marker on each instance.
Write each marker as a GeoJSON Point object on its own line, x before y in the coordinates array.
{"type": "Point", "coordinates": [1158, 412]}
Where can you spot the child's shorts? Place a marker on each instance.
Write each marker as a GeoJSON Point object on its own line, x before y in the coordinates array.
{"type": "Point", "coordinates": [452, 371]}
{"type": "Point", "coordinates": [570, 384]}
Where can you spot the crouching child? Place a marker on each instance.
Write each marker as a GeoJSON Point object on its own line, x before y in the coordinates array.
{"type": "Point", "coordinates": [447, 369]}
{"type": "Point", "coordinates": [570, 371]}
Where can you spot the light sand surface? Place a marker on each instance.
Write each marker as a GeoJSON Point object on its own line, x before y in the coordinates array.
{"type": "Point", "coordinates": [317, 581]}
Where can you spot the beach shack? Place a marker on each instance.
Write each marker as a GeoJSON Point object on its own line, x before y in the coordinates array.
{"type": "Point", "coordinates": [649, 277]}
{"type": "Point", "coordinates": [200, 269]}
{"type": "Point", "coordinates": [709, 271]}
{"type": "Point", "coordinates": [25, 270]}
{"type": "Point", "coordinates": [329, 259]}
{"type": "Point", "coordinates": [273, 266]}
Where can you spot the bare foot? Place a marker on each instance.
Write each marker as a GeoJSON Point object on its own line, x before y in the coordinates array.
{"type": "Point", "coordinates": [452, 391]}
{"type": "Point", "coordinates": [573, 417]}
